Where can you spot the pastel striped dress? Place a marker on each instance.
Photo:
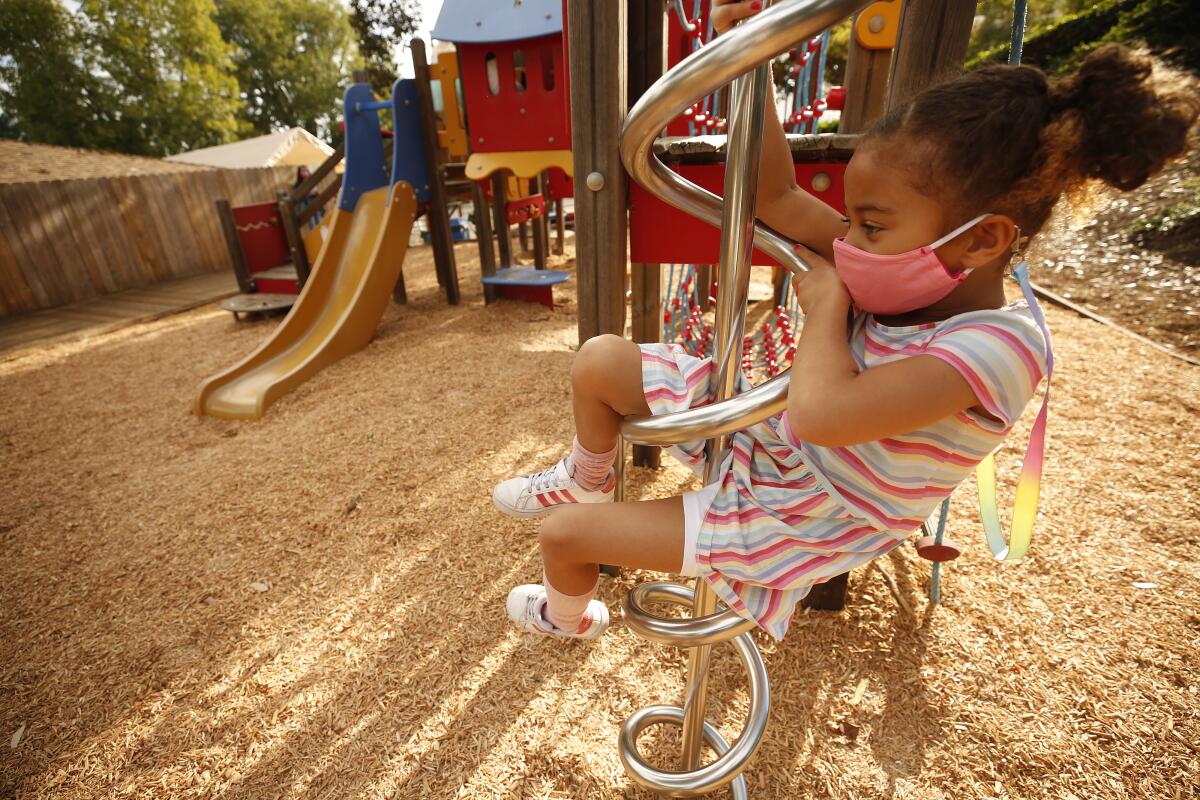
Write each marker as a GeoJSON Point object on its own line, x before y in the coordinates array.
{"type": "Point", "coordinates": [790, 514]}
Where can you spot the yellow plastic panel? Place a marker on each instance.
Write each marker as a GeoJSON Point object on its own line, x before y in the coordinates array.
{"type": "Point", "coordinates": [878, 24]}
{"type": "Point", "coordinates": [452, 137]}
{"type": "Point", "coordinates": [336, 313]}
{"type": "Point", "coordinates": [523, 164]}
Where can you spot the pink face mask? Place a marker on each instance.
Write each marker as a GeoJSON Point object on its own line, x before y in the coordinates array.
{"type": "Point", "coordinates": [894, 284]}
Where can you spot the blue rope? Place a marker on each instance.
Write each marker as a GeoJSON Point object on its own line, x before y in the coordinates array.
{"type": "Point", "coordinates": [935, 591]}
{"type": "Point", "coordinates": [1018, 32]}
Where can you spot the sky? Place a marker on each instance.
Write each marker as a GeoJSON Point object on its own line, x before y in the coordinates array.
{"type": "Point", "coordinates": [429, 15]}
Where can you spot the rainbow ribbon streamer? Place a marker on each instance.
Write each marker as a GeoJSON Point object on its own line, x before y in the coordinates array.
{"type": "Point", "coordinates": [1029, 484]}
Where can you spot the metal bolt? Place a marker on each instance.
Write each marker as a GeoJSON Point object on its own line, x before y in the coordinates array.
{"type": "Point", "coordinates": [522, 111]}
{"type": "Point", "coordinates": [821, 181]}
{"type": "Point", "coordinates": [876, 23]}
{"type": "Point", "coordinates": [481, 140]}
{"type": "Point", "coordinates": [550, 139]}
{"type": "Point", "coordinates": [595, 181]}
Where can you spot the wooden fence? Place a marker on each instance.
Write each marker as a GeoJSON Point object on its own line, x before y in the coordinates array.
{"type": "Point", "coordinates": [65, 241]}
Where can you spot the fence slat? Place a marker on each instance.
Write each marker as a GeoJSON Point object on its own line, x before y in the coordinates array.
{"type": "Point", "coordinates": [33, 292]}
{"type": "Point", "coordinates": [63, 241]}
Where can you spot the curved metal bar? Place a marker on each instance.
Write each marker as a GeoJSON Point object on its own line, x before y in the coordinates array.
{"type": "Point", "coordinates": [730, 762]}
{"type": "Point", "coordinates": [766, 35]}
{"type": "Point", "coordinates": [771, 32]}
{"type": "Point", "coordinates": [690, 632]}
{"type": "Point", "coordinates": [739, 411]}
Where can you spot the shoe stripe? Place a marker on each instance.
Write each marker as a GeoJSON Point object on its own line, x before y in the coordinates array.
{"type": "Point", "coordinates": [542, 499]}
{"type": "Point", "coordinates": [570, 498]}
{"type": "Point", "coordinates": [608, 487]}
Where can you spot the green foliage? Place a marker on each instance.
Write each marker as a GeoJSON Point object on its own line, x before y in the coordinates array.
{"type": "Point", "coordinates": [44, 91]}
{"type": "Point", "coordinates": [292, 59]}
{"type": "Point", "coordinates": [381, 25]}
{"type": "Point", "coordinates": [994, 18]}
{"type": "Point", "coordinates": [1170, 28]}
{"type": "Point", "coordinates": [164, 73]}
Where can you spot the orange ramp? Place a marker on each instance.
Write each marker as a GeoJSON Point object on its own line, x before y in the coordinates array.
{"type": "Point", "coordinates": [336, 313]}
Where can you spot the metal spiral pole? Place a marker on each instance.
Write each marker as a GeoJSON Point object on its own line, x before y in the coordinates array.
{"type": "Point", "coordinates": [742, 56]}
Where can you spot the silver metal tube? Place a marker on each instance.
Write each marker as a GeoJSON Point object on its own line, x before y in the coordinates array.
{"type": "Point", "coordinates": [728, 58]}
{"type": "Point", "coordinates": [730, 760]}
{"type": "Point", "coordinates": [712, 629]}
{"type": "Point", "coordinates": [769, 33]}
{"type": "Point", "coordinates": [743, 148]}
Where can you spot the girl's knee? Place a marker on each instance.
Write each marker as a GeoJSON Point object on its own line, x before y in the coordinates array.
{"type": "Point", "coordinates": [597, 356]}
{"type": "Point", "coordinates": [559, 533]}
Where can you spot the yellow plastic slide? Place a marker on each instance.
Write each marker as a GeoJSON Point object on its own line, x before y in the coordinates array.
{"type": "Point", "coordinates": [336, 313]}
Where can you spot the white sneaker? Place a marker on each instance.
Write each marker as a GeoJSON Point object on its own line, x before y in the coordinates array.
{"type": "Point", "coordinates": [527, 603]}
{"type": "Point", "coordinates": [537, 494]}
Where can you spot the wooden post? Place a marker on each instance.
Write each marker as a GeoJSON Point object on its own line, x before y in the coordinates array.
{"type": "Point", "coordinates": [560, 228]}
{"type": "Point", "coordinates": [647, 62]}
{"type": "Point", "coordinates": [523, 236]}
{"type": "Point", "coordinates": [931, 45]}
{"type": "Point", "coordinates": [438, 215]}
{"type": "Point", "coordinates": [229, 228]}
{"type": "Point", "coordinates": [538, 226]}
{"type": "Point", "coordinates": [483, 232]}
{"type": "Point", "coordinates": [866, 85]}
{"type": "Point", "coordinates": [291, 231]}
{"type": "Point", "coordinates": [703, 285]}
{"type": "Point", "coordinates": [500, 218]}
{"type": "Point", "coordinates": [597, 50]}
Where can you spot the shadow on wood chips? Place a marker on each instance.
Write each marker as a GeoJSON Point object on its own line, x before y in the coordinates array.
{"type": "Point", "coordinates": [312, 605]}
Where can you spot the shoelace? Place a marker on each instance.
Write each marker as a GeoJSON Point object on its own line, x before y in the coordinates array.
{"type": "Point", "coordinates": [544, 479]}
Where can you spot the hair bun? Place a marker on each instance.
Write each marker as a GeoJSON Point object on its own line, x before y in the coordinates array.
{"type": "Point", "coordinates": [1126, 129]}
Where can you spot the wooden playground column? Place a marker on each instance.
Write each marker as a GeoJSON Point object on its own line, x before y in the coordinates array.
{"type": "Point", "coordinates": [866, 84]}
{"type": "Point", "coordinates": [500, 218]}
{"type": "Point", "coordinates": [647, 62]}
{"type": "Point", "coordinates": [560, 228]}
{"type": "Point", "coordinates": [483, 234]}
{"type": "Point", "coordinates": [437, 216]}
{"type": "Point", "coordinates": [931, 45]}
{"type": "Point", "coordinates": [596, 47]}
{"type": "Point", "coordinates": [539, 230]}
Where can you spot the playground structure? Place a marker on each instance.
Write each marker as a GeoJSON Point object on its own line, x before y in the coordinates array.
{"type": "Point", "coordinates": [515, 90]}
{"type": "Point", "coordinates": [341, 303]}
{"type": "Point", "coordinates": [600, 231]}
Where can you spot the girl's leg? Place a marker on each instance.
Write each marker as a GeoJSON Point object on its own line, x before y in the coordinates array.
{"type": "Point", "coordinates": [606, 386]}
{"type": "Point", "coordinates": [575, 540]}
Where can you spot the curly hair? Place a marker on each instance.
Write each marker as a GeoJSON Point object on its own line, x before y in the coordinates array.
{"type": "Point", "coordinates": [1006, 139]}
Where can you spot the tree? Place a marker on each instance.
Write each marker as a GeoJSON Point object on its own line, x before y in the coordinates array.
{"type": "Point", "coordinates": [164, 72]}
{"type": "Point", "coordinates": [44, 91]}
{"type": "Point", "coordinates": [381, 25]}
{"type": "Point", "coordinates": [292, 59]}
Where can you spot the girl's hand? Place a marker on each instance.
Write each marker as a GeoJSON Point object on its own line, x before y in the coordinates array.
{"type": "Point", "coordinates": [725, 13]}
{"type": "Point", "coordinates": [820, 285]}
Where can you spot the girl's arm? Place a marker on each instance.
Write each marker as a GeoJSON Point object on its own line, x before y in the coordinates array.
{"type": "Point", "coordinates": [831, 403]}
{"type": "Point", "coordinates": [781, 203]}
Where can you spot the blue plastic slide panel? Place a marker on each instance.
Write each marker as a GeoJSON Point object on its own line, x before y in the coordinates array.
{"type": "Point", "coordinates": [365, 165]}
{"type": "Point", "coordinates": [525, 276]}
{"type": "Point", "coordinates": [408, 145]}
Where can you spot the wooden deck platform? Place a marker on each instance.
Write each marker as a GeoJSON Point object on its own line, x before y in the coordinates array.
{"type": "Point", "coordinates": [21, 332]}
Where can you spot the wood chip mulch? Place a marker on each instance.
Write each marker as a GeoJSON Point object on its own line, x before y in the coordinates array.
{"type": "Point", "coordinates": [312, 605]}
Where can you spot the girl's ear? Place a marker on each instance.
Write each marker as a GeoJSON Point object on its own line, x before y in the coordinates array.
{"type": "Point", "coordinates": [990, 240]}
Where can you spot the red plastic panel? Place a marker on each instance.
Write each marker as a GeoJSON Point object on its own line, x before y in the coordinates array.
{"type": "Point", "coordinates": [260, 233]}
{"type": "Point", "coordinates": [536, 118]}
{"type": "Point", "coordinates": [660, 234]}
{"type": "Point", "coordinates": [525, 208]}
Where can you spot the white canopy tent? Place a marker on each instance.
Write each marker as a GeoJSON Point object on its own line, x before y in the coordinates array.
{"type": "Point", "coordinates": [293, 147]}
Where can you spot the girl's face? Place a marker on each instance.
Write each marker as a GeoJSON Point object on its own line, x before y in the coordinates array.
{"type": "Point", "coordinates": [887, 214]}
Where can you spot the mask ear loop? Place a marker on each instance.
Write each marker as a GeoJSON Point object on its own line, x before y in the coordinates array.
{"type": "Point", "coordinates": [1029, 482]}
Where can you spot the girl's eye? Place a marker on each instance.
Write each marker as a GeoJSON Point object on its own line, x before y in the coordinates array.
{"type": "Point", "coordinates": [871, 229]}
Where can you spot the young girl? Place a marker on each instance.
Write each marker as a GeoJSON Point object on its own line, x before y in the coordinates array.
{"type": "Point", "coordinates": [885, 415]}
